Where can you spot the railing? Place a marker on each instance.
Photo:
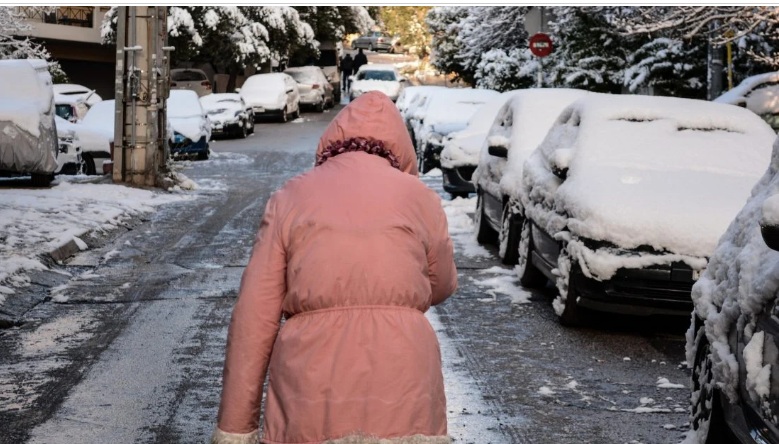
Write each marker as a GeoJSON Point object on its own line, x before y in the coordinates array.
{"type": "Point", "coordinates": [80, 16]}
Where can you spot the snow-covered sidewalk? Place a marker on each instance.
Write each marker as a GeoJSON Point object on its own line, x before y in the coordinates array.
{"type": "Point", "coordinates": [37, 222]}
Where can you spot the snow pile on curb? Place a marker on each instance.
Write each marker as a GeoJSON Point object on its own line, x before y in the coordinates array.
{"type": "Point", "coordinates": [35, 222]}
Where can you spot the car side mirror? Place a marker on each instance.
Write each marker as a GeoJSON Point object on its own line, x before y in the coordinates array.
{"type": "Point", "coordinates": [769, 222]}
{"type": "Point", "coordinates": [498, 151]}
{"type": "Point", "coordinates": [290, 90]}
{"type": "Point", "coordinates": [237, 90]}
{"type": "Point", "coordinates": [561, 159]}
{"type": "Point", "coordinates": [403, 80]}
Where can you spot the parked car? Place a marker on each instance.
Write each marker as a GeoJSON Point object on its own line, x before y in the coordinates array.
{"type": "Point", "coordinates": [191, 79]}
{"type": "Point", "coordinates": [626, 198]}
{"type": "Point", "coordinates": [447, 112]}
{"type": "Point", "coordinates": [330, 54]}
{"type": "Point", "coordinates": [77, 91]}
{"type": "Point", "coordinates": [28, 134]}
{"type": "Point", "coordinates": [759, 94]}
{"type": "Point", "coordinates": [272, 94]}
{"type": "Point", "coordinates": [413, 110]}
{"type": "Point", "coordinates": [83, 150]}
{"type": "Point", "coordinates": [408, 97]}
{"type": "Point", "coordinates": [377, 77]}
{"type": "Point", "coordinates": [460, 154]}
{"type": "Point", "coordinates": [733, 340]}
{"type": "Point", "coordinates": [513, 135]}
{"type": "Point", "coordinates": [70, 108]}
{"type": "Point", "coordinates": [314, 88]}
{"type": "Point", "coordinates": [229, 115]}
{"type": "Point", "coordinates": [191, 128]}
{"type": "Point", "coordinates": [101, 119]}
{"type": "Point", "coordinates": [377, 41]}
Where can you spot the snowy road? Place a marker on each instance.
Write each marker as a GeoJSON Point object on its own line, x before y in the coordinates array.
{"type": "Point", "coordinates": [133, 350]}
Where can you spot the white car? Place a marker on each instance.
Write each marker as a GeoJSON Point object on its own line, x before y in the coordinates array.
{"type": "Point", "coordinates": [377, 77]}
{"type": "Point", "coordinates": [460, 154]}
{"type": "Point", "coordinates": [190, 124]}
{"type": "Point", "coordinates": [192, 79]}
{"type": "Point", "coordinates": [627, 196]}
{"type": "Point", "coordinates": [409, 97]}
{"type": "Point", "coordinates": [515, 132]}
{"type": "Point", "coordinates": [101, 118]}
{"type": "Point", "coordinates": [759, 94]}
{"type": "Point", "coordinates": [77, 91]}
{"type": "Point", "coordinates": [315, 90]}
{"type": "Point", "coordinates": [448, 111]}
{"type": "Point", "coordinates": [229, 114]}
{"type": "Point", "coordinates": [83, 150]}
{"type": "Point", "coordinates": [272, 94]}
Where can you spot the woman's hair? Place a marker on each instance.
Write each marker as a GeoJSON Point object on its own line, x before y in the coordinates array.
{"type": "Point", "coordinates": [370, 146]}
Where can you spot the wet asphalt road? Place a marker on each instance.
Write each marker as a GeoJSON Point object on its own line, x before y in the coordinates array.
{"type": "Point", "coordinates": [135, 353]}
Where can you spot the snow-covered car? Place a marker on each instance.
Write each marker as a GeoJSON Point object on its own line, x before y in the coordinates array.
{"type": "Point", "coordinates": [448, 111]}
{"type": "Point", "coordinates": [513, 135]}
{"type": "Point", "coordinates": [191, 128]}
{"type": "Point", "coordinates": [28, 134]}
{"type": "Point", "coordinates": [759, 94]}
{"type": "Point", "coordinates": [460, 154]}
{"type": "Point", "coordinates": [626, 198]}
{"type": "Point", "coordinates": [377, 77]}
{"type": "Point", "coordinates": [101, 118]}
{"type": "Point", "coordinates": [191, 79]}
{"type": "Point", "coordinates": [274, 94]}
{"type": "Point", "coordinates": [70, 108]}
{"type": "Point", "coordinates": [83, 150]}
{"type": "Point", "coordinates": [229, 115]}
{"type": "Point", "coordinates": [414, 107]}
{"type": "Point", "coordinates": [408, 98]}
{"type": "Point", "coordinates": [77, 91]}
{"type": "Point", "coordinates": [733, 339]}
{"type": "Point", "coordinates": [315, 90]}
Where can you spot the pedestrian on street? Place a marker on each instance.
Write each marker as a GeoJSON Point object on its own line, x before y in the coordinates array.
{"type": "Point", "coordinates": [359, 60]}
{"type": "Point", "coordinates": [351, 254]}
{"type": "Point", "coordinates": [347, 64]}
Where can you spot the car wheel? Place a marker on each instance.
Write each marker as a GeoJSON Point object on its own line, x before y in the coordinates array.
{"type": "Point", "coordinates": [354, 46]}
{"type": "Point", "coordinates": [568, 310]}
{"type": "Point", "coordinates": [244, 131]}
{"type": "Point", "coordinates": [320, 108]}
{"type": "Point", "coordinates": [707, 417]}
{"type": "Point", "coordinates": [203, 155]}
{"type": "Point", "coordinates": [297, 113]}
{"type": "Point", "coordinates": [87, 165]}
{"type": "Point", "coordinates": [41, 180]}
{"type": "Point", "coordinates": [370, 47]}
{"type": "Point", "coordinates": [529, 275]}
{"type": "Point", "coordinates": [508, 238]}
{"type": "Point", "coordinates": [250, 125]}
{"type": "Point", "coordinates": [284, 115]}
{"type": "Point", "coordinates": [484, 232]}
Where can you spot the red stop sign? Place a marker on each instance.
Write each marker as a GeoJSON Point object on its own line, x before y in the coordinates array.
{"type": "Point", "coordinates": [541, 45]}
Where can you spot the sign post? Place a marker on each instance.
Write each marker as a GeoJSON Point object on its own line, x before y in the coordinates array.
{"type": "Point", "coordinates": [541, 46]}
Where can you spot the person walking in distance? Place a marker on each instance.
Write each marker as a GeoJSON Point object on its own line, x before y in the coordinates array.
{"type": "Point", "coordinates": [346, 71]}
{"type": "Point", "coordinates": [351, 254]}
{"type": "Point", "coordinates": [359, 60]}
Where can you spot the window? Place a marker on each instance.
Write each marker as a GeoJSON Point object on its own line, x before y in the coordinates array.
{"type": "Point", "coordinates": [187, 76]}
{"type": "Point", "coordinates": [377, 75]}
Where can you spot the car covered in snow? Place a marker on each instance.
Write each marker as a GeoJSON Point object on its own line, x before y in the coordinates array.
{"type": "Point", "coordinates": [190, 124]}
{"type": "Point", "coordinates": [229, 115]}
{"type": "Point", "coordinates": [447, 111]}
{"type": "Point", "coordinates": [377, 77]}
{"type": "Point", "coordinates": [28, 134]}
{"type": "Point", "coordinates": [275, 94]}
{"type": "Point", "coordinates": [83, 150]}
{"type": "Point", "coordinates": [77, 91]}
{"type": "Point", "coordinates": [315, 90]}
{"type": "Point", "coordinates": [759, 94]}
{"type": "Point", "coordinates": [73, 101]}
{"type": "Point", "coordinates": [409, 96]}
{"type": "Point", "coordinates": [519, 127]}
{"type": "Point", "coordinates": [626, 198]}
{"type": "Point", "coordinates": [733, 340]}
{"type": "Point", "coordinates": [414, 104]}
{"type": "Point", "coordinates": [460, 154]}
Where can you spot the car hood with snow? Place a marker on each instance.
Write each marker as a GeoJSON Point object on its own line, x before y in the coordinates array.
{"type": "Point", "coordinates": [186, 115]}
{"type": "Point", "coordinates": [222, 109]}
{"type": "Point", "coordinates": [656, 173]}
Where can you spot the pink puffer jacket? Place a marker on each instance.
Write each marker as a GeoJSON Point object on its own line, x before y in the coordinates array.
{"type": "Point", "coordinates": [351, 254]}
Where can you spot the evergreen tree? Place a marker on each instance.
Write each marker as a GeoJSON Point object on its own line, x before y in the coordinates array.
{"type": "Point", "coordinates": [444, 24]}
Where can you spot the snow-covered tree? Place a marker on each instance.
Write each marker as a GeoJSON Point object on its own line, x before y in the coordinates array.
{"type": "Point", "coordinates": [335, 22]}
{"type": "Point", "coordinates": [14, 43]}
{"type": "Point", "coordinates": [505, 71]}
{"type": "Point", "coordinates": [669, 66]}
{"type": "Point", "coordinates": [444, 24]}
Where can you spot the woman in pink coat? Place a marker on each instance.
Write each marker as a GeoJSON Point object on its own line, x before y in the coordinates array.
{"type": "Point", "coordinates": [351, 254]}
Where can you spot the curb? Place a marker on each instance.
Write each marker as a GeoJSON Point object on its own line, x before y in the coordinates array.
{"type": "Point", "coordinates": [68, 249]}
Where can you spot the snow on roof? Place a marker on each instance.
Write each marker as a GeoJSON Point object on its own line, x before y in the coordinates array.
{"type": "Point", "coordinates": [211, 101]}
{"type": "Point", "coordinates": [23, 96]}
{"type": "Point", "coordinates": [69, 88]}
{"type": "Point", "coordinates": [274, 80]}
{"type": "Point", "coordinates": [665, 172]}
{"type": "Point", "coordinates": [737, 95]}
{"type": "Point", "coordinates": [378, 67]}
{"type": "Point", "coordinates": [69, 99]}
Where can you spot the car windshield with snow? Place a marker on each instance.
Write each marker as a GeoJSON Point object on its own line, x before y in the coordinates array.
{"type": "Point", "coordinates": [733, 340]}
{"type": "Point", "coordinates": [447, 111]}
{"type": "Point", "coordinates": [191, 128]}
{"type": "Point", "coordinates": [627, 196]}
{"type": "Point", "coordinates": [377, 77]}
{"type": "Point", "coordinates": [514, 134]}
{"type": "Point", "coordinates": [228, 114]}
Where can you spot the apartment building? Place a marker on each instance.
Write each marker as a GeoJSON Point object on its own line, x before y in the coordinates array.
{"type": "Point", "coordinates": [72, 36]}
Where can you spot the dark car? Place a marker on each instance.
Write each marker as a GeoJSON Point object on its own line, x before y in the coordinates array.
{"type": "Point", "coordinates": [376, 40]}
{"type": "Point", "coordinates": [627, 196]}
{"type": "Point", "coordinates": [733, 340]}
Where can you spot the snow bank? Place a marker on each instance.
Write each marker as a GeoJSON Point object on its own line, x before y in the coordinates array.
{"type": "Point", "coordinates": [37, 221]}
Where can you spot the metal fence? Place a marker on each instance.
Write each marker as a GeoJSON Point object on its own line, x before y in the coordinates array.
{"type": "Point", "coordinates": [80, 16]}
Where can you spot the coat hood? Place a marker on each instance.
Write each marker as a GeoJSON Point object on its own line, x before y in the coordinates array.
{"type": "Point", "coordinates": [373, 115]}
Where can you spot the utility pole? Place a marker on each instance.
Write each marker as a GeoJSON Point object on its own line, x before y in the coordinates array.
{"type": "Point", "coordinates": [142, 85]}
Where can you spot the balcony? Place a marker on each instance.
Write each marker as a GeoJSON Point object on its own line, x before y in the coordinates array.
{"type": "Point", "coordinates": [68, 23]}
{"type": "Point", "coordinates": [81, 16]}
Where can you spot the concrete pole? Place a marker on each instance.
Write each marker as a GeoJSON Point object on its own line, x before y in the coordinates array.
{"type": "Point", "coordinates": [140, 151]}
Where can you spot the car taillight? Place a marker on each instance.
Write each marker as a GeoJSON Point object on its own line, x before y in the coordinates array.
{"type": "Point", "coordinates": [381, 40]}
{"type": "Point", "coordinates": [172, 83]}
{"type": "Point", "coordinates": [315, 86]}
{"type": "Point", "coordinates": [207, 84]}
